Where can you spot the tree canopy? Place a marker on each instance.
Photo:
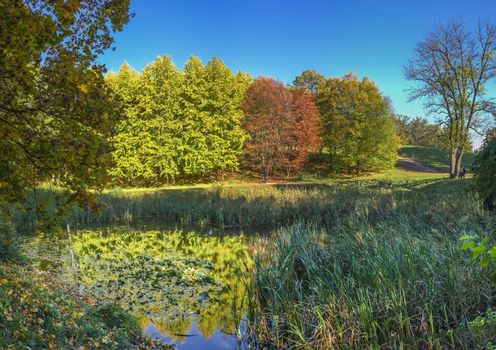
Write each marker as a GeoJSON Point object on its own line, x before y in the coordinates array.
{"type": "Point", "coordinates": [357, 126]}
{"type": "Point", "coordinates": [56, 112]}
{"type": "Point", "coordinates": [282, 125]}
{"type": "Point", "coordinates": [177, 124]}
{"type": "Point", "coordinates": [310, 80]}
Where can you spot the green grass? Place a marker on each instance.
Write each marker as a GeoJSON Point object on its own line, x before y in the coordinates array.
{"type": "Point", "coordinates": [386, 272]}
{"type": "Point", "coordinates": [238, 205]}
{"type": "Point", "coordinates": [434, 158]}
{"type": "Point", "coordinates": [357, 263]}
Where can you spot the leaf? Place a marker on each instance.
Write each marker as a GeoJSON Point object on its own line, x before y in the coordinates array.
{"type": "Point", "coordinates": [468, 245]}
{"type": "Point", "coordinates": [492, 253]}
{"type": "Point", "coordinates": [485, 261]}
{"type": "Point", "coordinates": [466, 237]}
{"type": "Point", "coordinates": [477, 251]}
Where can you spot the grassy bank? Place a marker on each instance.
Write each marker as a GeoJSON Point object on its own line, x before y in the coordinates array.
{"type": "Point", "coordinates": [387, 273]}
{"type": "Point", "coordinates": [242, 205]}
{"type": "Point", "coordinates": [435, 158]}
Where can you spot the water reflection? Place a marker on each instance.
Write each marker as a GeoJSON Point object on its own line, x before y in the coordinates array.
{"type": "Point", "coordinates": [184, 287]}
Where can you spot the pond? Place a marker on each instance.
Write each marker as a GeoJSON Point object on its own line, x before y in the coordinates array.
{"type": "Point", "coordinates": [184, 286]}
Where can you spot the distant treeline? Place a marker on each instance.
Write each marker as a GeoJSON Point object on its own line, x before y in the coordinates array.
{"type": "Point", "coordinates": [420, 132]}
{"type": "Point", "coordinates": [204, 121]}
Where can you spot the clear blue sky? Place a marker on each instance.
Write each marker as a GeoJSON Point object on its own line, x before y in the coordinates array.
{"type": "Point", "coordinates": [281, 38]}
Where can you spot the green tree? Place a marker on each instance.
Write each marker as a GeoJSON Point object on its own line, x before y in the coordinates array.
{"type": "Point", "coordinates": [310, 80]}
{"type": "Point", "coordinates": [177, 125]}
{"type": "Point", "coordinates": [149, 134]}
{"type": "Point", "coordinates": [211, 109]}
{"type": "Point", "coordinates": [451, 69]}
{"type": "Point", "coordinates": [56, 112]}
{"type": "Point", "coordinates": [357, 126]}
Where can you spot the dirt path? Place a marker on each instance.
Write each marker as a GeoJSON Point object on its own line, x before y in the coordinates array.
{"type": "Point", "coordinates": [412, 165]}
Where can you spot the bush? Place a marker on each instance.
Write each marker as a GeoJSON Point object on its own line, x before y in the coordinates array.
{"type": "Point", "coordinates": [39, 313]}
{"type": "Point", "coordinates": [483, 330]}
{"type": "Point", "coordinates": [485, 175]}
{"type": "Point", "coordinates": [8, 245]}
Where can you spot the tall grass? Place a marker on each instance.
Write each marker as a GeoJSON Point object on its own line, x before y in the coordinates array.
{"type": "Point", "coordinates": [360, 264]}
{"type": "Point", "coordinates": [387, 276]}
{"type": "Point", "coordinates": [249, 206]}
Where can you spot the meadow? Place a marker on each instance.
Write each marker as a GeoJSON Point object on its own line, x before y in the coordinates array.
{"type": "Point", "coordinates": [435, 158]}
{"type": "Point", "coordinates": [385, 271]}
{"type": "Point", "coordinates": [350, 263]}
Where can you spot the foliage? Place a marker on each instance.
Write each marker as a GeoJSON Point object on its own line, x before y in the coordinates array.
{"type": "Point", "coordinates": [417, 131]}
{"type": "Point", "coordinates": [37, 312]}
{"type": "Point", "coordinates": [55, 110]}
{"type": "Point", "coordinates": [451, 68]}
{"type": "Point", "coordinates": [485, 174]}
{"type": "Point", "coordinates": [177, 124]}
{"type": "Point", "coordinates": [484, 326]}
{"type": "Point", "coordinates": [310, 80]}
{"type": "Point", "coordinates": [490, 135]}
{"type": "Point", "coordinates": [282, 125]}
{"type": "Point", "coordinates": [9, 250]}
{"type": "Point", "coordinates": [483, 330]}
{"type": "Point", "coordinates": [357, 126]}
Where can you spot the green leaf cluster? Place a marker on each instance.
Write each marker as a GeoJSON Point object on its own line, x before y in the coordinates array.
{"type": "Point", "coordinates": [480, 249]}
{"type": "Point", "coordinates": [357, 126]}
{"type": "Point", "coordinates": [56, 112]}
{"type": "Point", "coordinates": [485, 174]}
{"type": "Point", "coordinates": [176, 124]}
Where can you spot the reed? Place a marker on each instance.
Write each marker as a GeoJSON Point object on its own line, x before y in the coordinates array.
{"type": "Point", "coordinates": [387, 273]}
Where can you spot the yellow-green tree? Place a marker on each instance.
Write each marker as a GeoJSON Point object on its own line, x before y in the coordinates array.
{"type": "Point", "coordinates": [310, 80]}
{"type": "Point", "coordinates": [177, 125]}
{"type": "Point", "coordinates": [357, 126]}
{"type": "Point", "coordinates": [211, 112]}
{"type": "Point", "coordinates": [56, 113]}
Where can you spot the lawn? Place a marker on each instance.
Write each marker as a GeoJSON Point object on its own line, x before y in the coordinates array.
{"type": "Point", "coordinates": [434, 158]}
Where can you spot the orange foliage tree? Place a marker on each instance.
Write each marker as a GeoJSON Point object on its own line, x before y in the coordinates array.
{"type": "Point", "coordinates": [282, 125]}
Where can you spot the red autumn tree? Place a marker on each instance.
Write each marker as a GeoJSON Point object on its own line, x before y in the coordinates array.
{"type": "Point", "coordinates": [282, 125]}
{"type": "Point", "coordinates": [302, 136]}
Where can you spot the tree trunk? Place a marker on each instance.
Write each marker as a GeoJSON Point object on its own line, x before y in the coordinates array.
{"type": "Point", "coordinates": [458, 164]}
{"type": "Point", "coordinates": [453, 172]}
{"type": "Point", "coordinates": [266, 174]}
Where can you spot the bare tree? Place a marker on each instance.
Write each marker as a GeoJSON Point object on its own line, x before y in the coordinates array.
{"type": "Point", "coordinates": [451, 68]}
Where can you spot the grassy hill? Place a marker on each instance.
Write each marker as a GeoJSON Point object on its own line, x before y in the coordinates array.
{"type": "Point", "coordinates": [433, 157]}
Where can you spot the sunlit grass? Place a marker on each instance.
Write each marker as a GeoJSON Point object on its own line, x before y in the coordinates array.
{"type": "Point", "coordinates": [386, 273]}
{"type": "Point", "coordinates": [434, 158]}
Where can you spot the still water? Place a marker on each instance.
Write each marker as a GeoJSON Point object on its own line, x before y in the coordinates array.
{"type": "Point", "coordinates": [185, 287]}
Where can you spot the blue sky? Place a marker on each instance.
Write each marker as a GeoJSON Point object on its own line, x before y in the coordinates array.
{"type": "Point", "coordinates": [282, 38]}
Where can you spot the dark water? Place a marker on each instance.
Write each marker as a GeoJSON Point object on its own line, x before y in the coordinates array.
{"type": "Point", "coordinates": [186, 287]}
